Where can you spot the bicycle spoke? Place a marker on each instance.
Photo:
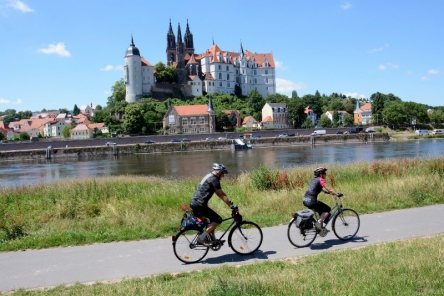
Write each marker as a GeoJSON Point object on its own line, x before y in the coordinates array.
{"type": "Point", "coordinates": [346, 224]}
{"type": "Point", "coordinates": [186, 247]}
{"type": "Point", "coordinates": [300, 238]}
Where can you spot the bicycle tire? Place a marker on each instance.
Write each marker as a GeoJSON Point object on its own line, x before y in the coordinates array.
{"type": "Point", "coordinates": [186, 248]}
{"type": "Point", "coordinates": [300, 238]}
{"type": "Point", "coordinates": [245, 238]}
{"type": "Point", "coordinates": [346, 224]}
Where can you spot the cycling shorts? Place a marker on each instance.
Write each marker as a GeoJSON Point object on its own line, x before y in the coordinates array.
{"type": "Point", "coordinates": [207, 213]}
{"type": "Point", "coordinates": [317, 206]}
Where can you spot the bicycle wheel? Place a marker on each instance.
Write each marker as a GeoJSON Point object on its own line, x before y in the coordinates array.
{"type": "Point", "coordinates": [186, 247]}
{"type": "Point", "coordinates": [300, 238]}
{"type": "Point", "coordinates": [245, 238]}
{"type": "Point", "coordinates": [346, 224]}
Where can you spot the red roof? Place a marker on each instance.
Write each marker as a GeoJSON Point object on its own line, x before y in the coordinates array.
{"type": "Point", "coordinates": [191, 110]}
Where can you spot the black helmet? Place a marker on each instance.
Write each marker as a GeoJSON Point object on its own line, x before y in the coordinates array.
{"type": "Point", "coordinates": [220, 167]}
{"type": "Point", "coordinates": [319, 171]}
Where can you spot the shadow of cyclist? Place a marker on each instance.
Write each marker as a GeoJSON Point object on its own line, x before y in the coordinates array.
{"type": "Point", "coordinates": [336, 242]}
{"type": "Point", "coordinates": [238, 258]}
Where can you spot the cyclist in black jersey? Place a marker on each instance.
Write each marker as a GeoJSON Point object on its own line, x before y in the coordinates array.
{"type": "Point", "coordinates": [310, 200]}
{"type": "Point", "coordinates": [209, 185]}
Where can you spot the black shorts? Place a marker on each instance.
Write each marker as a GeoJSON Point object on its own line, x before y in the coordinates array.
{"type": "Point", "coordinates": [318, 206]}
{"type": "Point", "coordinates": [207, 213]}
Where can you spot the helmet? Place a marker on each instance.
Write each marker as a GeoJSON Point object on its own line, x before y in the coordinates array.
{"type": "Point", "coordinates": [319, 171]}
{"type": "Point", "coordinates": [220, 167]}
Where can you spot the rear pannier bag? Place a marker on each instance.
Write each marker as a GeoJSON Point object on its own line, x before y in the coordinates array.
{"type": "Point", "coordinates": [304, 219]}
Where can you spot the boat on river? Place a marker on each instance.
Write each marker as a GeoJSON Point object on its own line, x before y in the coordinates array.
{"type": "Point", "coordinates": [239, 144]}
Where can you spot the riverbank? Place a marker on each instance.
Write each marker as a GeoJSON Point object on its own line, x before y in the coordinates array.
{"type": "Point", "coordinates": [86, 211]}
{"type": "Point", "coordinates": [94, 151]}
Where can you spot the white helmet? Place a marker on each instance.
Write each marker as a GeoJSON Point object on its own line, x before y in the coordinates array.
{"type": "Point", "coordinates": [220, 167]}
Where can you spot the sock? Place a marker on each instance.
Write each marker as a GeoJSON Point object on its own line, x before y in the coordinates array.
{"type": "Point", "coordinates": [203, 236]}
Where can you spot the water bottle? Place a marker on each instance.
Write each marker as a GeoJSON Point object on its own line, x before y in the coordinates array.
{"type": "Point", "coordinates": [327, 219]}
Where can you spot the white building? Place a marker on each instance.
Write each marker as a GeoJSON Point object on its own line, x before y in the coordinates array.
{"type": "Point", "coordinates": [341, 114]}
{"type": "Point", "coordinates": [138, 74]}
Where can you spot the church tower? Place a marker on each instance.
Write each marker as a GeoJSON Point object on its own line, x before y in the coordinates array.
{"type": "Point", "coordinates": [189, 43]}
{"type": "Point", "coordinates": [171, 46]}
{"type": "Point", "coordinates": [180, 55]}
{"type": "Point", "coordinates": [133, 73]}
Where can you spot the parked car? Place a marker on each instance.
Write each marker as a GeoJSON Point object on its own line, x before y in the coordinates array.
{"type": "Point", "coordinates": [110, 143]}
{"type": "Point", "coordinates": [50, 147]}
{"type": "Point", "coordinates": [149, 142]}
{"type": "Point", "coordinates": [241, 136]}
{"type": "Point", "coordinates": [350, 132]}
{"type": "Point", "coordinates": [186, 140]}
{"type": "Point", "coordinates": [438, 132]}
{"type": "Point", "coordinates": [373, 131]}
{"type": "Point", "coordinates": [210, 139]}
{"type": "Point", "coordinates": [221, 138]}
{"type": "Point", "coordinates": [339, 133]}
{"type": "Point", "coordinates": [175, 141]}
{"type": "Point", "coordinates": [282, 135]}
{"type": "Point", "coordinates": [255, 136]}
{"type": "Point", "coordinates": [291, 135]}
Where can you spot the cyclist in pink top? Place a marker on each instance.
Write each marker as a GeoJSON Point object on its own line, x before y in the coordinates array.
{"type": "Point", "coordinates": [311, 201]}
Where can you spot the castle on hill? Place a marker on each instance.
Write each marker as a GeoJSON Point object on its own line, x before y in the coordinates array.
{"type": "Point", "coordinates": [214, 70]}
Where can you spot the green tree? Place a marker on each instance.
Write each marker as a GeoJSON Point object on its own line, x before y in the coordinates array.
{"type": "Point", "coordinates": [24, 114]}
{"type": "Point", "coordinates": [66, 132]}
{"type": "Point", "coordinates": [75, 110]}
{"type": "Point", "coordinates": [99, 108]}
{"type": "Point", "coordinates": [222, 120]}
{"type": "Point", "coordinates": [336, 118]}
{"type": "Point", "coordinates": [395, 113]}
{"type": "Point", "coordinates": [238, 90]}
{"type": "Point", "coordinates": [133, 119]}
{"type": "Point", "coordinates": [416, 112]}
{"type": "Point", "coordinates": [348, 120]}
{"type": "Point", "coordinates": [294, 95]}
{"type": "Point", "coordinates": [233, 118]}
{"type": "Point", "coordinates": [307, 123]}
{"type": "Point", "coordinates": [165, 73]}
{"type": "Point", "coordinates": [336, 104]}
{"type": "Point", "coordinates": [255, 103]}
{"type": "Point", "coordinates": [325, 121]}
{"type": "Point", "coordinates": [377, 107]}
{"type": "Point", "coordinates": [63, 110]}
{"type": "Point", "coordinates": [296, 108]}
{"type": "Point", "coordinates": [2, 136]}
{"type": "Point", "coordinates": [24, 136]}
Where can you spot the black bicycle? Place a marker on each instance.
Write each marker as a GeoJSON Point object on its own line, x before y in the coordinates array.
{"type": "Point", "coordinates": [345, 225]}
{"type": "Point", "coordinates": [244, 238]}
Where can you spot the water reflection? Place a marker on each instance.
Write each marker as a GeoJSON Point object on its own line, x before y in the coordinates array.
{"type": "Point", "coordinates": [197, 163]}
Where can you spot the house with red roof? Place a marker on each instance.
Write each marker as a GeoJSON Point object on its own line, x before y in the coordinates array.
{"type": "Point", "coordinates": [250, 122]}
{"type": "Point", "coordinates": [363, 115]}
{"type": "Point", "coordinates": [278, 112]}
{"type": "Point", "coordinates": [190, 119]}
{"type": "Point", "coordinates": [310, 115]}
{"type": "Point", "coordinates": [81, 131]}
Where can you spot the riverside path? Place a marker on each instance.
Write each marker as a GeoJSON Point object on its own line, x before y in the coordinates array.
{"type": "Point", "coordinates": [113, 261]}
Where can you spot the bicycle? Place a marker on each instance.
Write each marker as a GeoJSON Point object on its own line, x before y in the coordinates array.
{"type": "Point", "coordinates": [244, 238]}
{"type": "Point", "coordinates": [345, 225]}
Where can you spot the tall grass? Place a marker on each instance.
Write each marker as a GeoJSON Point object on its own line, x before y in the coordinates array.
{"type": "Point", "coordinates": [85, 211]}
{"type": "Point", "coordinates": [412, 267]}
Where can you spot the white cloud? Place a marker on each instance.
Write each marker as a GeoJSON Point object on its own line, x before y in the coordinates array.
{"type": "Point", "coordinates": [378, 49]}
{"type": "Point", "coordinates": [388, 65]}
{"type": "Point", "coordinates": [424, 78]}
{"type": "Point", "coordinates": [381, 67]}
{"type": "Point", "coordinates": [107, 92]}
{"type": "Point", "coordinates": [19, 5]}
{"type": "Point", "coordinates": [393, 66]}
{"type": "Point", "coordinates": [58, 48]}
{"type": "Point", "coordinates": [354, 95]}
{"type": "Point", "coordinates": [4, 101]}
{"type": "Point", "coordinates": [110, 67]}
{"type": "Point", "coordinates": [346, 5]}
{"type": "Point", "coordinates": [286, 86]}
{"type": "Point", "coordinates": [434, 72]}
{"type": "Point", "coordinates": [409, 73]}
{"type": "Point", "coordinates": [280, 65]}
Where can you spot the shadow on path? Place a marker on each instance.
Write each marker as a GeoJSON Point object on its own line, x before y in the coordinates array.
{"type": "Point", "coordinates": [238, 258]}
{"type": "Point", "coordinates": [336, 242]}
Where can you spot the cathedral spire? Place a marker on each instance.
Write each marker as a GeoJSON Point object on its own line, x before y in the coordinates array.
{"type": "Point", "coordinates": [170, 31]}
{"type": "Point", "coordinates": [241, 49]}
{"type": "Point", "coordinates": [179, 35]}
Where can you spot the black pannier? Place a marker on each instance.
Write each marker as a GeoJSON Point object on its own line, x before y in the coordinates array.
{"type": "Point", "coordinates": [304, 219]}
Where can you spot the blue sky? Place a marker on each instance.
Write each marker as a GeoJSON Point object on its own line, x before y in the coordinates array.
{"type": "Point", "coordinates": [55, 53]}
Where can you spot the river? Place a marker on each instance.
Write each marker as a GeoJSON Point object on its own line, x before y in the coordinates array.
{"type": "Point", "coordinates": [198, 163]}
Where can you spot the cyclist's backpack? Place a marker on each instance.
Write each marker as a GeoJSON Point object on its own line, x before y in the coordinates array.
{"type": "Point", "coordinates": [304, 219]}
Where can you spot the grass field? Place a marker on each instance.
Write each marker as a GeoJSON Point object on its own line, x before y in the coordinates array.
{"type": "Point", "coordinates": [80, 211]}
{"type": "Point", "coordinates": [411, 267]}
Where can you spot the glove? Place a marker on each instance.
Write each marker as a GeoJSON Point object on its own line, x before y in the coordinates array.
{"type": "Point", "coordinates": [327, 192]}
{"type": "Point", "coordinates": [233, 207]}
{"type": "Point", "coordinates": [340, 194]}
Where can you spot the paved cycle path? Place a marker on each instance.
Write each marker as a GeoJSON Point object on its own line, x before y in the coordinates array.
{"type": "Point", "coordinates": [112, 261]}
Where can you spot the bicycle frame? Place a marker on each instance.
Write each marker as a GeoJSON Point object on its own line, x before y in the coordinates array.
{"type": "Point", "coordinates": [227, 230]}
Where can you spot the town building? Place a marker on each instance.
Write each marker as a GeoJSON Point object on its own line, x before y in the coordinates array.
{"type": "Point", "coordinates": [250, 122]}
{"type": "Point", "coordinates": [190, 119]}
{"type": "Point", "coordinates": [341, 114]}
{"type": "Point", "coordinates": [278, 112]}
{"type": "Point", "coordinates": [310, 115]}
{"type": "Point", "coordinates": [363, 115]}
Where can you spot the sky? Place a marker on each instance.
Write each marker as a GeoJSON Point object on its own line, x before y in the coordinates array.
{"type": "Point", "coordinates": [55, 54]}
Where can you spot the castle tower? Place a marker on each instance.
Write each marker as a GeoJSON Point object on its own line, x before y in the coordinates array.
{"type": "Point", "coordinates": [133, 73]}
{"type": "Point", "coordinates": [189, 43]}
{"type": "Point", "coordinates": [171, 46]}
